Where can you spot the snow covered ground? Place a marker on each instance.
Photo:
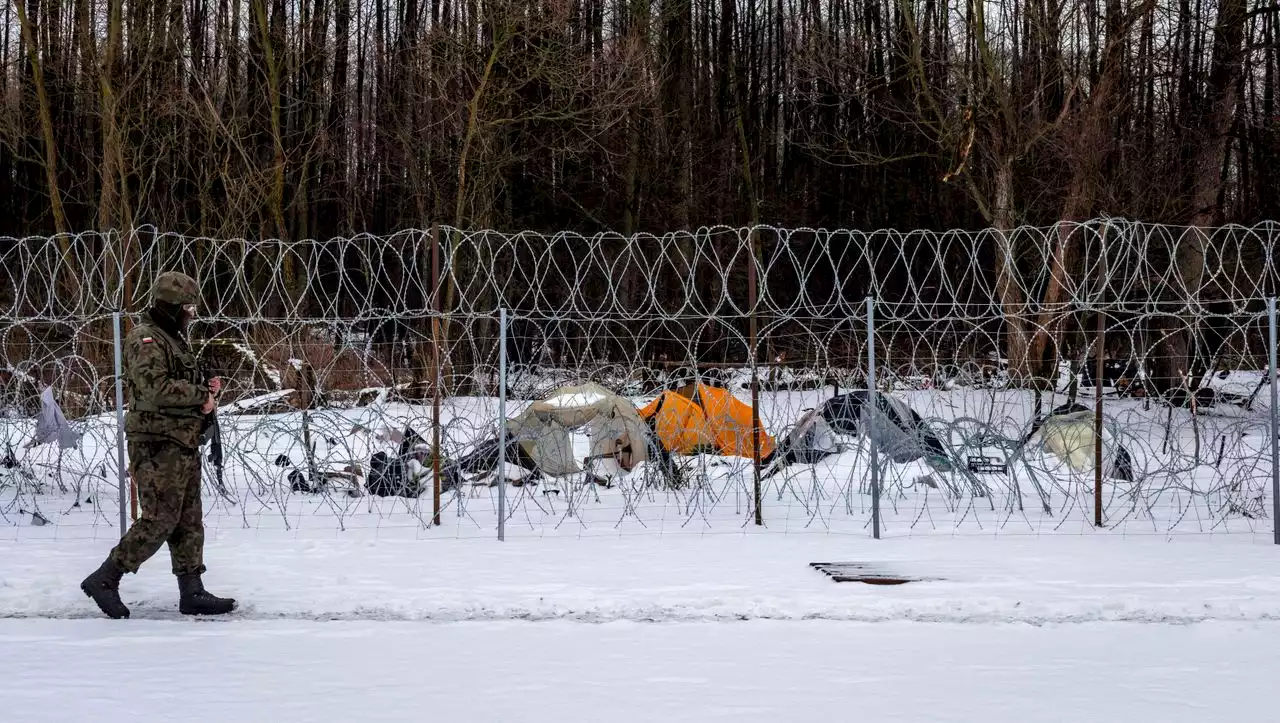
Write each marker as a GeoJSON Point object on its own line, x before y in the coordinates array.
{"type": "Point", "coordinates": [1000, 628]}
{"type": "Point", "coordinates": [1041, 580]}
{"type": "Point", "coordinates": [629, 672]}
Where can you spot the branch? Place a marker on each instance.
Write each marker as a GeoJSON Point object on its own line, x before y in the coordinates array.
{"type": "Point", "coordinates": [1264, 10]}
{"type": "Point", "coordinates": [1057, 122]}
{"type": "Point", "coordinates": [968, 146]}
{"type": "Point", "coordinates": [473, 110]}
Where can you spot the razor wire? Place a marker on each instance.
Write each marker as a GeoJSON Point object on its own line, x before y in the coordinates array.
{"type": "Point", "coordinates": [336, 351]}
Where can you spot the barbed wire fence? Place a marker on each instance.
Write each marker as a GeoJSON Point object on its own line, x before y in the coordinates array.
{"type": "Point", "coordinates": [363, 388]}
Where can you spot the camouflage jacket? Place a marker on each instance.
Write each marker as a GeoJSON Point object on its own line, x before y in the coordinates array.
{"type": "Point", "coordinates": [165, 385]}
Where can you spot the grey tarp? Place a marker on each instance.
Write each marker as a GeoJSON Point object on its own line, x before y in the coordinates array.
{"type": "Point", "coordinates": [810, 440]}
{"type": "Point", "coordinates": [900, 433]}
{"type": "Point", "coordinates": [51, 425]}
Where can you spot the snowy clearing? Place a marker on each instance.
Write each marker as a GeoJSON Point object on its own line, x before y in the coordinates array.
{"type": "Point", "coordinates": [1193, 473]}
{"type": "Point", "coordinates": [642, 604]}
{"type": "Point", "coordinates": [536, 673]}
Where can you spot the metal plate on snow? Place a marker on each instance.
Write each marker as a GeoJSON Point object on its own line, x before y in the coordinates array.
{"type": "Point", "coordinates": [864, 572]}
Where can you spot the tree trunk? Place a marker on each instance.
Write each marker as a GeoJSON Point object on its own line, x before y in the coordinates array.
{"type": "Point", "coordinates": [1088, 157]}
{"type": "Point", "coordinates": [1011, 296]}
{"type": "Point", "coordinates": [29, 39]}
{"type": "Point", "coordinates": [113, 205]}
{"type": "Point", "coordinates": [1175, 368]}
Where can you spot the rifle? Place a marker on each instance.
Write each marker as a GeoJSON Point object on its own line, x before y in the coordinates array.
{"type": "Point", "coordinates": [211, 432]}
{"type": "Point", "coordinates": [213, 435]}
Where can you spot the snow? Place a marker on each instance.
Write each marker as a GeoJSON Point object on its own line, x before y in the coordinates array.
{"type": "Point", "coordinates": [251, 357]}
{"type": "Point", "coordinates": [628, 672]}
{"type": "Point", "coordinates": [681, 628]}
{"type": "Point", "coordinates": [1022, 591]}
{"type": "Point", "coordinates": [579, 399]}
{"type": "Point", "coordinates": [250, 403]}
{"type": "Point", "coordinates": [690, 578]}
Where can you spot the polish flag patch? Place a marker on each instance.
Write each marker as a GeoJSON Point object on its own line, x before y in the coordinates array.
{"type": "Point", "coordinates": [147, 340]}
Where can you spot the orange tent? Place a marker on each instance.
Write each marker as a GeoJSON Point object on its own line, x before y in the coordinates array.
{"type": "Point", "coordinates": [699, 418]}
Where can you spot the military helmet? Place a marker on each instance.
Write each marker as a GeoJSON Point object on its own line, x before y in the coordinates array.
{"type": "Point", "coordinates": [174, 287]}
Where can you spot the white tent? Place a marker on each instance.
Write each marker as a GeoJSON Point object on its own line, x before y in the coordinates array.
{"type": "Point", "coordinates": [540, 438]}
{"type": "Point", "coordinates": [618, 437]}
{"type": "Point", "coordinates": [1070, 437]}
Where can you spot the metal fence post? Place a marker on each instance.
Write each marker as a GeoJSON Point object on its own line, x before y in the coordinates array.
{"type": "Point", "coordinates": [871, 417]}
{"type": "Point", "coordinates": [122, 474]}
{"type": "Point", "coordinates": [502, 424]}
{"type": "Point", "coordinates": [437, 377]}
{"type": "Point", "coordinates": [1097, 421]}
{"type": "Point", "coordinates": [755, 384]}
{"type": "Point", "coordinates": [1275, 418]}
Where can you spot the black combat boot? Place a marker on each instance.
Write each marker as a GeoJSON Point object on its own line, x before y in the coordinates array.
{"type": "Point", "coordinates": [196, 601]}
{"type": "Point", "coordinates": [104, 587]}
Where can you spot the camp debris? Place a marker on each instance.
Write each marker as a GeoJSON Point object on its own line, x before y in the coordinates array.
{"type": "Point", "coordinates": [1068, 434]}
{"type": "Point", "coordinates": [702, 419]}
{"type": "Point", "coordinates": [406, 474]}
{"type": "Point", "coordinates": [900, 433]}
{"type": "Point", "coordinates": [539, 439]}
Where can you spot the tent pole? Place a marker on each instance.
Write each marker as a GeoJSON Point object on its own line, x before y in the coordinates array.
{"type": "Point", "coordinates": [502, 424]}
{"type": "Point", "coordinates": [1275, 411]}
{"type": "Point", "coordinates": [871, 427]}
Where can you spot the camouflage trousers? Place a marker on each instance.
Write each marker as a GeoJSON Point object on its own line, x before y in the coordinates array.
{"type": "Point", "coordinates": [168, 479]}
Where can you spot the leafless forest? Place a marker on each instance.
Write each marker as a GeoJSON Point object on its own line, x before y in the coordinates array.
{"type": "Point", "coordinates": [318, 119]}
{"type": "Point", "coordinates": [315, 118]}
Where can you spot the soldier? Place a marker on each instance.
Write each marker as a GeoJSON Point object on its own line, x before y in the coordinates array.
{"type": "Point", "coordinates": [169, 402]}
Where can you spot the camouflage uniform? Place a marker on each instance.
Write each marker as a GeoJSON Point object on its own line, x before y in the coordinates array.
{"type": "Point", "coordinates": [163, 424]}
{"type": "Point", "coordinates": [166, 390]}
